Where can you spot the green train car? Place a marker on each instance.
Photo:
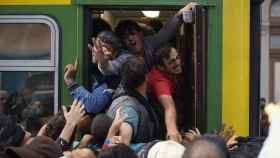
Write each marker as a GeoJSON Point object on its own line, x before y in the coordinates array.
{"type": "Point", "coordinates": [39, 37]}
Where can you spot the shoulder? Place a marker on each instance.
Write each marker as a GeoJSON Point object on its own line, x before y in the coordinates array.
{"type": "Point", "coordinates": [156, 75]}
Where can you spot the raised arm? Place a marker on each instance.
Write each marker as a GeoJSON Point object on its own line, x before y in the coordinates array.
{"type": "Point", "coordinates": [169, 29]}
{"type": "Point", "coordinates": [170, 115]}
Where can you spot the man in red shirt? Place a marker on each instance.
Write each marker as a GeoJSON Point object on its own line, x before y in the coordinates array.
{"type": "Point", "coordinates": [162, 80]}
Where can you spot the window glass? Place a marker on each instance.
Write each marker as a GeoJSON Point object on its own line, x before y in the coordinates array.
{"type": "Point", "coordinates": [25, 41]}
{"type": "Point", "coordinates": [29, 68]}
{"type": "Point", "coordinates": [275, 8]}
{"type": "Point", "coordinates": [32, 94]}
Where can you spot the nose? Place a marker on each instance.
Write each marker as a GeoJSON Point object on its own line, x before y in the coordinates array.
{"type": "Point", "coordinates": [130, 37]}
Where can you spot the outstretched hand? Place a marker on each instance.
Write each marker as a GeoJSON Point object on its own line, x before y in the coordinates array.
{"type": "Point", "coordinates": [75, 114]}
{"type": "Point", "coordinates": [188, 7]}
{"type": "Point", "coordinates": [192, 134]}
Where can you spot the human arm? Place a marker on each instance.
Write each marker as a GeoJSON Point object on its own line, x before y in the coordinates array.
{"type": "Point", "coordinates": [105, 58]}
{"type": "Point", "coordinates": [113, 66]}
{"type": "Point", "coordinates": [169, 29]}
{"type": "Point", "coordinates": [112, 138]}
{"type": "Point", "coordinates": [94, 101]}
{"type": "Point", "coordinates": [170, 115]}
{"type": "Point", "coordinates": [72, 119]}
{"type": "Point", "coordinates": [124, 127]}
{"type": "Point", "coordinates": [70, 71]}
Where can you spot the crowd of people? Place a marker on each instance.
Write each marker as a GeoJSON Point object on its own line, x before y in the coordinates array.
{"type": "Point", "coordinates": [130, 110]}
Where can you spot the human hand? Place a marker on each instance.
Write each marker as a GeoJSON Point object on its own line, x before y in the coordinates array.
{"type": "Point", "coordinates": [119, 118]}
{"type": "Point", "coordinates": [92, 51]}
{"type": "Point", "coordinates": [174, 135]}
{"type": "Point", "coordinates": [85, 141]}
{"type": "Point", "coordinates": [75, 113]}
{"type": "Point", "coordinates": [232, 142]}
{"type": "Point", "coordinates": [117, 140]}
{"type": "Point", "coordinates": [100, 49]}
{"type": "Point", "coordinates": [192, 134]}
{"type": "Point", "coordinates": [42, 131]}
{"type": "Point", "coordinates": [188, 7]}
{"type": "Point", "coordinates": [70, 72]}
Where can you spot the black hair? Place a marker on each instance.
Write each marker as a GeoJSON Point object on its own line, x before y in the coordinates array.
{"type": "Point", "coordinates": [133, 73]}
{"type": "Point", "coordinates": [118, 151]}
{"type": "Point", "coordinates": [110, 38]}
{"type": "Point", "coordinates": [200, 147]}
{"type": "Point", "coordinates": [156, 24]}
{"type": "Point", "coordinates": [99, 25]}
{"type": "Point", "coordinates": [99, 128]}
{"type": "Point", "coordinates": [126, 26]}
{"type": "Point", "coordinates": [55, 125]}
{"type": "Point", "coordinates": [162, 53]}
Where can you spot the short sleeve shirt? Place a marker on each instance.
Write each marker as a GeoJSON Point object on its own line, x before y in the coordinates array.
{"type": "Point", "coordinates": [160, 83]}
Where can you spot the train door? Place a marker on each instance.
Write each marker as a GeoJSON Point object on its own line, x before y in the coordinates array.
{"type": "Point", "coordinates": [191, 41]}
{"type": "Point", "coordinates": [194, 48]}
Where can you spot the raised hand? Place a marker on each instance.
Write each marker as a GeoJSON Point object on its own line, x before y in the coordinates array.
{"type": "Point", "coordinates": [188, 7]}
{"type": "Point", "coordinates": [75, 113]}
{"type": "Point", "coordinates": [192, 134]}
{"type": "Point", "coordinates": [70, 72]}
{"type": "Point", "coordinates": [174, 135]}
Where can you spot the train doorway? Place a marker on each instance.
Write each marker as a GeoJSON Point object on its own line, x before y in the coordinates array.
{"type": "Point", "coordinates": [190, 40]}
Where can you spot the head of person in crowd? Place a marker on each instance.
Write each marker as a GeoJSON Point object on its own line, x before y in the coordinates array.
{"type": "Point", "coordinates": [134, 73]}
{"type": "Point", "coordinates": [117, 151]}
{"type": "Point", "coordinates": [98, 25]}
{"type": "Point", "coordinates": [84, 126]}
{"type": "Point", "coordinates": [11, 133]}
{"type": "Point", "coordinates": [210, 146]}
{"type": "Point", "coordinates": [80, 153]}
{"type": "Point", "coordinates": [39, 147]}
{"type": "Point", "coordinates": [100, 127]}
{"type": "Point", "coordinates": [55, 125]}
{"type": "Point", "coordinates": [168, 60]}
{"type": "Point", "coordinates": [4, 101]}
{"type": "Point", "coordinates": [109, 43]}
{"type": "Point", "coordinates": [131, 35]}
{"type": "Point", "coordinates": [166, 149]}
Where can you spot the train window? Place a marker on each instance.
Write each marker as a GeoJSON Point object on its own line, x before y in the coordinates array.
{"type": "Point", "coordinates": [29, 65]}
{"type": "Point", "coordinates": [27, 40]}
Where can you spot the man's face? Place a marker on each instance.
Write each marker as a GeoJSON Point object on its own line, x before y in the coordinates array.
{"type": "Point", "coordinates": [172, 65]}
{"type": "Point", "coordinates": [133, 41]}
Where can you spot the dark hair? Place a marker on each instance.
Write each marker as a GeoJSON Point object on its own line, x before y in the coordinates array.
{"type": "Point", "coordinates": [126, 26]}
{"type": "Point", "coordinates": [156, 24]}
{"type": "Point", "coordinates": [118, 151]}
{"type": "Point", "coordinates": [98, 25]}
{"type": "Point", "coordinates": [55, 125]}
{"type": "Point", "coordinates": [133, 72]}
{"type": "Point", "coordinates": [110, 38]}
{"type": "Point", "coordinates": [11, 134]}
{"type": "Point", "coordinates": [100, 127]}
{"type": "Point", "coordinates": [200, 147]}
{"type": "Point", "coordinates": [162, 53]}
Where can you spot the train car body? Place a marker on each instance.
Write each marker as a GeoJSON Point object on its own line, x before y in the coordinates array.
{"type": "Point", "coordinates": [222, 96]}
